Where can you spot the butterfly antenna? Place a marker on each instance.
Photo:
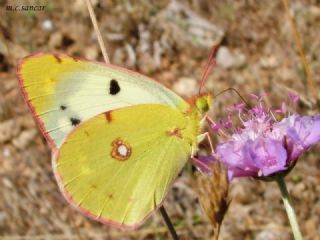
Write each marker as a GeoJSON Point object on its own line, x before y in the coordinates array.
{"type": "Point", "coordinates": [234, 90]}
{"type": "Point", "coordinates": [210, 64]}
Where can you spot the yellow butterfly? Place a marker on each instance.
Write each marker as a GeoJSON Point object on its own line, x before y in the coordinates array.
{"type": "Point", "coordinates": [119, 139]}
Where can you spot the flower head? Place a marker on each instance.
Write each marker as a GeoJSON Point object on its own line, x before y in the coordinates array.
{"type": "Point", "coordinates": [263, 145]}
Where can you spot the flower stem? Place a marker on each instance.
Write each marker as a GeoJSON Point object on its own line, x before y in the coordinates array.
{"type": "Point", "coordinates": [167, 221]}
{"type": "Point", "coordinates": [289, 209]}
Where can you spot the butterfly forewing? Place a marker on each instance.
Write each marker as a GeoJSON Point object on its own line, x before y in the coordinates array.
{"type": "Point", "coordinates": [63, 91]}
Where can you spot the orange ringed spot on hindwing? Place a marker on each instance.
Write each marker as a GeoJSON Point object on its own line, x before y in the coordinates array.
{"type": "Point", "coordinates": [175, 132]}
{"type": "Point", "coordinates": [121, 150]}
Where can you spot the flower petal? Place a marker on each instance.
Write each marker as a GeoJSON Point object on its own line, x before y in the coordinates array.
{"type": "Point", "coordinates": [233, 155]}
{"type": "Point", "coordinates": [304, 132]}
{"type": "Point", "coordinates": [308, 129]}
{"type": "Point", "coordinates": [238, 172]}
{"type": "Point", "coordinates": [268, 155]}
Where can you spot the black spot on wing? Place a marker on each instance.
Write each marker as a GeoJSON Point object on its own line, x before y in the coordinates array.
{"type": "Point", "coordinates": [74, 121]}
{"type": "Point", "coordinates": [63, 107]}
{"type": "Point", "coordinates": [114, 87]}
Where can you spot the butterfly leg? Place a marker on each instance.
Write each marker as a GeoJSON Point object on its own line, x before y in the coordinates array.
{"type": "Point", "coordinates": [204, 119]}
{"type": "Point", "coordinates": [196, 162]}
{"type": "Point", "coordinates": [201, 164]}
{"type": "Point", "coordinates": [206, 135]}
{"type": "Point", "coordinates": [208, 119]}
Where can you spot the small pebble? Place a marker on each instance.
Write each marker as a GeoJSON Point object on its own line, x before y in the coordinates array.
{"type": "Point", "coordinates": [47, 25]}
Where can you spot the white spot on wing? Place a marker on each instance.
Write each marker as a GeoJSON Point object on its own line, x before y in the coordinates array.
{"type": "Point", "coordinates": [123, 150]}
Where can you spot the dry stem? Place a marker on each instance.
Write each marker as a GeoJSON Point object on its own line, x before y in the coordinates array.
{"type": "Point", "coordinates": [213, 196]}
{"type": "Point", "coordinates": [98, 33]}
{"type": "Point", "coordinates": [303, 60]}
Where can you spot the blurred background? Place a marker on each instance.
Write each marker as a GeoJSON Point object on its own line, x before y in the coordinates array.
{"type": "Point", "coordinates": [170, 42]}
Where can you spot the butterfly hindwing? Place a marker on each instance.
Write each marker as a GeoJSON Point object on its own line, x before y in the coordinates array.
{"type": "Point", "coordinates": [63, 91]}
{"type": "Point", "coordinates": [117, 166]}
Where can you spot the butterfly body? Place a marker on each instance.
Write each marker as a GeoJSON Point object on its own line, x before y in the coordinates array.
{"type": "Point", "coordinates": [119, 139]}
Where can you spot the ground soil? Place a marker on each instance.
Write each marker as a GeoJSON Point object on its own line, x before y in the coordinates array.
{"type": "Point", "coordinates": [152, 38]}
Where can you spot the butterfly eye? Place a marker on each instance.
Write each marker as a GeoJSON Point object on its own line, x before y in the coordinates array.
{"type": "Point", "coordinates": [202, 104]}
{"type": "Point", "coordinates": [120, 150]}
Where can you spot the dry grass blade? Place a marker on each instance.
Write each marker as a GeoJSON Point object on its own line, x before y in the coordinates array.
{"type": "Point", "coordinates": [213, 196]}
{"type": "Point", "coordinates": [297, 39]}
{"type": "Point", "coordinates": [98, 33]}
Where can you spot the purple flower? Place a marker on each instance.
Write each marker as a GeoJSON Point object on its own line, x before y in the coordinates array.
{"type": "Point", "coordinates": [301, 134]}
{"type": "Point", "coordinates": [264, 146]}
